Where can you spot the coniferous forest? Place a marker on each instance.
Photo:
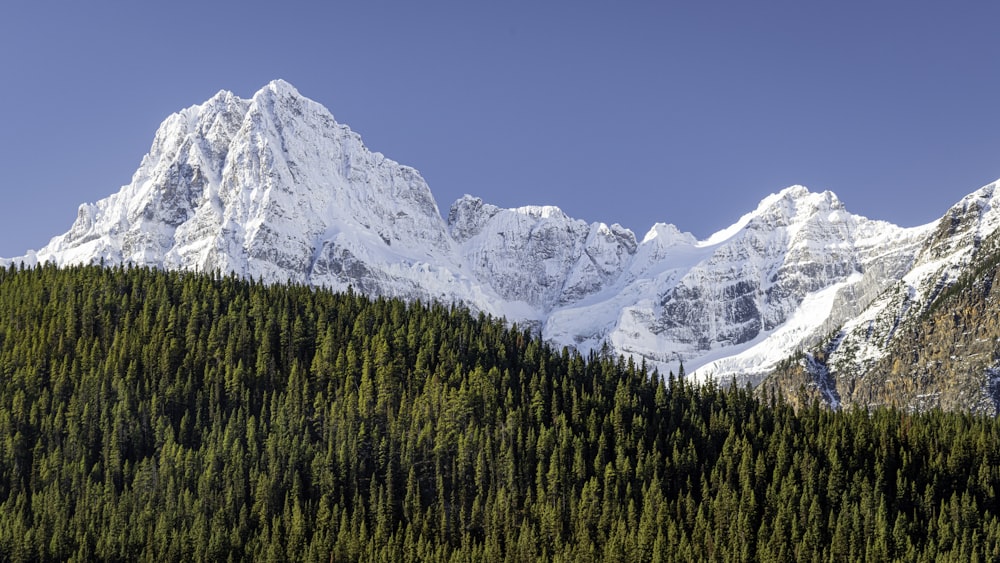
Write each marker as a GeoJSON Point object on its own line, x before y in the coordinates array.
{"type": "Point", "coordinates": [163, 416]}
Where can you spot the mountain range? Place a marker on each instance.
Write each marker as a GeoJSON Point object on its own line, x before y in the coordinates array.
{"type": "Point", "coordinates": [799, 293]}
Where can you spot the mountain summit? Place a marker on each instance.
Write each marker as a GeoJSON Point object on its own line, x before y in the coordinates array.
{"type": "Point", "coordinates": [273, 188]}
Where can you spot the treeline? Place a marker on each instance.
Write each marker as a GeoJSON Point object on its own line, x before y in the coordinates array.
{"type": "Point", "coordinates": [154, 416]}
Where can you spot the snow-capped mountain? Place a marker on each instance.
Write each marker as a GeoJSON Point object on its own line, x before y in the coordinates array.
{"type": "Point", "coordinates": [947, 250]}
{"type": "Point", "coordinates": [274, 188]}
{"type": "Point", "coordinates": [538, 255]}
{"type": "Point", "coordinates": [908, 348]}
{"type": "Point", "coordinates": [747, 297]}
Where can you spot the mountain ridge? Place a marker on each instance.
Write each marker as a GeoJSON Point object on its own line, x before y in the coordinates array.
{"type": "Point", "coordinates": [273, 188]}
{"type": "Point", "coordinates": [930, 339]}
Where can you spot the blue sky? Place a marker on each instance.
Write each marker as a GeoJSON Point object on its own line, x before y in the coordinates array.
{"type": "Point", "coordinates": [631, 112]}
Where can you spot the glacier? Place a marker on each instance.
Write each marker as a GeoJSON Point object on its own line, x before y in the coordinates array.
{"type": "Point", "coordinates": [275, 189]}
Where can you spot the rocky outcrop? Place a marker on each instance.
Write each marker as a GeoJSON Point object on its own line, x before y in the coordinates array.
{"type": "Point", "coordinates": [932, 339]}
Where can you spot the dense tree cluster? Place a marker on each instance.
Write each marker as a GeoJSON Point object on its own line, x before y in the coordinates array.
{"type": "Point", "coordinates": [153, 416]}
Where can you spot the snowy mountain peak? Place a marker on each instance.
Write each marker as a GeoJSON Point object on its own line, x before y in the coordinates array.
{"type": "Point", "coordinates": [542, 211]}
{"type": "Point", "coordinates": [222, 97]}
{"type": "Point", "coordinates": [795, 203]}
{"type": "Point", "coordinates": [787, 208]}
{"type": "Point", "coordinates": [666, 234]}
{"type": "Point", "coordinates": [942, 252]}
{"type": "Point", "coordinates": [280, 87]}
{"type": "Point", "coordinates": [789, 194]}
{"type": "Point", "coordinates": [273, 188]}
{"type": "Point", "coordinates": [468, 215]}
{"type": "Point", "coordinates": [980, 205]}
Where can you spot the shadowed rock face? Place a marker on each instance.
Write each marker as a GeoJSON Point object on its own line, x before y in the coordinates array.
{"type": "Point", "coordinates": [273, 188]}
{"type": "Point", "coordinates": [537, 254]}
{"type": "Point", "coordinates": [795, 244]}
{"type": "Point", "coordinates": [931, 339]}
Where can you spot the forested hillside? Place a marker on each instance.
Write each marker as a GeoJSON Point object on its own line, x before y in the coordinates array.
{"type": "Point", "coordinates": [153, 416]}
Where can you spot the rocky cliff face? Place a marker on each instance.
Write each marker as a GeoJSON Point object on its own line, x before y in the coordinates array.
{"type": "Point", "coordinates": [744, 299]}
{"type": "Point", "coordinates": [274, 188]}
{"type": "Point", "coordinates": [537, 254]}
{"type": "Point", "coordinates": [929, 340]}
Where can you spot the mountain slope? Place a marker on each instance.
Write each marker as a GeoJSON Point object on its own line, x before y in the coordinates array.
{"type": "Point", "coordinates": [931, 339]}
{"type": "Point", "coordinates": [740, 301]}
{"type": "Point", "coordinates": [273, 188]}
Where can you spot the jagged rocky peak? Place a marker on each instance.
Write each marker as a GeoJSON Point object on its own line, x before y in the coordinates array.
{"type": "Point", "coordinates": [617, 233]}
{"type": "Point", "coordinates": [964, 225]}
{"type": "Point", "coordinates": [793, 205]}
{"type": "Point", "coordinates": [274, 188]}
{"type": "Point", "coordinates": [537, 254]}
{"type": "Point", "coordinates": [751, 283]}
{"type": "Point", "coordinates": [261, 187]}
{"type": "Point", "coordinates": [666, 234]}
{"type": "Point", "coordinates": [468, 215]}
{"type": "Point", "coordinates": [881, 354]}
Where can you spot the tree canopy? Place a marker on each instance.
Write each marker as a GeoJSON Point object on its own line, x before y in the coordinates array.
{"type": "Point", "coordinates": [164, 416]}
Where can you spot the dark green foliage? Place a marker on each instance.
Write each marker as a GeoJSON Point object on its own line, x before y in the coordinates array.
{"type": "Point", "coordinates": [151, 416]}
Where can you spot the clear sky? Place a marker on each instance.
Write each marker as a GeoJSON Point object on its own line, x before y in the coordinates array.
{"type": "Point", "coordinates": [628, 111]}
